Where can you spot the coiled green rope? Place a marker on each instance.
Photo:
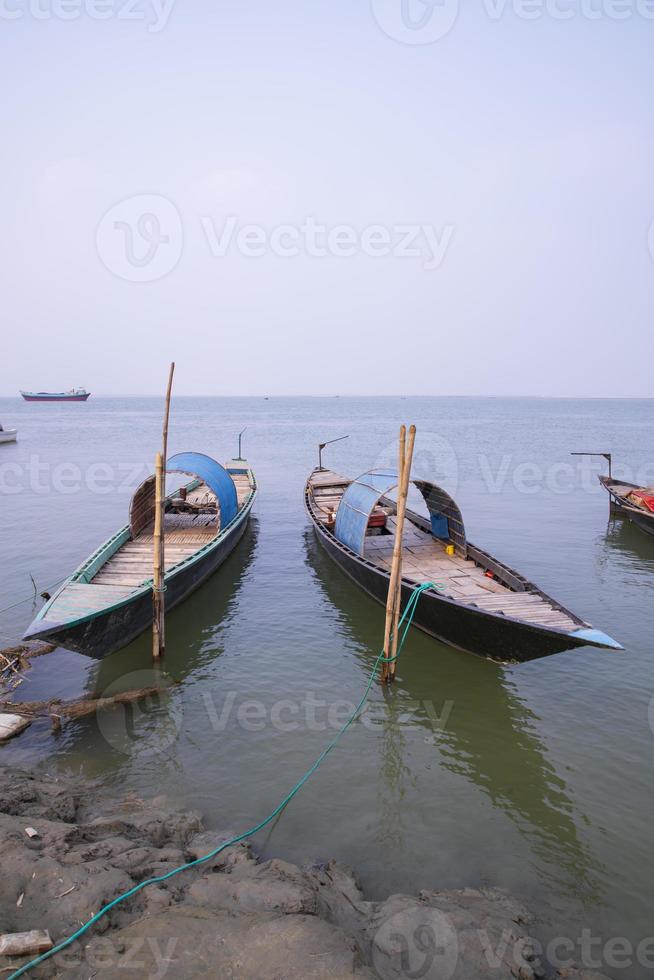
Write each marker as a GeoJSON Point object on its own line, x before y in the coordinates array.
{"type": "Point", "coordinates": [405, 622]}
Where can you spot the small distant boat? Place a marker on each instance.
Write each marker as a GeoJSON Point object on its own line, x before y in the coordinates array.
{"type": "Point", "coordinates": [74, 395]}
{"type": "Point", "coordinates": [628, 500]}
{"type": "Point", "coordinates": [478, 604]}
{"type": "Point", "coordinates": [107, 601]}
{"type": "Point", "coordinates": [8, 435]}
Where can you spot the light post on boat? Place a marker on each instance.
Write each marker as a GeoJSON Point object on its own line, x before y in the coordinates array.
{"type": "Point", "coordinates": [321, 446]}
{"type": "Point", "coordinates": [240, 436]}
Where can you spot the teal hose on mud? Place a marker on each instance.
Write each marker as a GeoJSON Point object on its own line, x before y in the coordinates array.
{"type": "Point", "coordinates": [405, 622]}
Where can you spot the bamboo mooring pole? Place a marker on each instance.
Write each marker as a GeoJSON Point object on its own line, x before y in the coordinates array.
{"type": "Point", "coordinates": [159, 548]}
{"type": "Point", "coordinates": [395, 585]}
{"type": "Point", "coordinates": [164, 444]}
{"type": "Point", "coordinates": [401, 511]}
{"type": "Point", "coordinates": [158, 628]}
{"type": "Point", "coordinates": [392, 586]}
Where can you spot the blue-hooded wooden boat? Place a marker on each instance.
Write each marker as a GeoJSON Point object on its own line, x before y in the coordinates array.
{"type": "Point", "coordinates": [478, 604]}
{"type": "Point", "coordinates": [107, 601]}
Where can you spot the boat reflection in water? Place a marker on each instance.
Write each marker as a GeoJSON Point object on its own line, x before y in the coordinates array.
{"type": "Point", "coordinates": [138, 733]}
{"type": "Point", "coordinates": [480, 730]}
{"type": "Point", "coordinates": [635, 548]}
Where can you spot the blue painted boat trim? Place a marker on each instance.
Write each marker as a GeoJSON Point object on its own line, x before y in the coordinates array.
{"type": "Point", "coordinates": [597, 638]}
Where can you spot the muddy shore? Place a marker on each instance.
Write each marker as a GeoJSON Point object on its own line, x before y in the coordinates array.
{"type": "Point", "coordinates": [235, 916]}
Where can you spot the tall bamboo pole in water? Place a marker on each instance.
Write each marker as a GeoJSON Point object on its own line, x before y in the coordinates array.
{"type": "Point", "coordinates": [159, 549]}
{"type": "Point", "coordinates": [402, 501]}
{"type": "Point", "coordinates": [158, 628]}
{"type": "Point", "coordinates": [395, 568]}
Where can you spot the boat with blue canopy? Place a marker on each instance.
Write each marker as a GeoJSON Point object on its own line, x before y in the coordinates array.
{"type": "Point", "coordinates": [107, 601]}
{"type": "Point", "coordinates": [477, 603]}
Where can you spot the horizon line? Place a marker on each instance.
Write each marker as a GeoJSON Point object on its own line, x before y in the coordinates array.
{"type": "Point", "coordinates": [337, 395]}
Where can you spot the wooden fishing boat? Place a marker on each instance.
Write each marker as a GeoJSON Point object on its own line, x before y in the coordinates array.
{"type": "Point", "coordinates": [631, 501]}
{"type": "Point", "coordinates": [107, 601]}
{"type": "Point", "coordinates": [8, 435]}
{"type": "Point", "coordinates": [478, 603]}
{"type": "Point", "coordinates": [74, 395]}
{"type": "Point", "coordinates": [628, 500]}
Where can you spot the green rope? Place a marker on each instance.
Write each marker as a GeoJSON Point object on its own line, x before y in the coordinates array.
{"type": "Point", "coordinates": [405, 621]}
{"type": "Point", "coordinates": [27, 598]}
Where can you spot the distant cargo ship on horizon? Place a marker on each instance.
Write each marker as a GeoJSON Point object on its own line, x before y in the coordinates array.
{"type": "Point", "coordinates": [74, 395]}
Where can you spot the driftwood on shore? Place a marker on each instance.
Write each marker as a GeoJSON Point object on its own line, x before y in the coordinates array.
{"type": "Point", "coordinates": [15, 660]}
{"type": "Point", "coordinates": [57, 710]}
{"type": "Point", "coordinates": [27, 651]}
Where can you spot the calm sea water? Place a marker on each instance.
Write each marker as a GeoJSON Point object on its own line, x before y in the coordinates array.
{"type": "Point", "coordinates": [536, 778]}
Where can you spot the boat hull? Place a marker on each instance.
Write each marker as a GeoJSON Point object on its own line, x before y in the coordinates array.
{"type": "Point", "coordinates": [644, 521]}
{"type": "Point", "coordinates": [111, 630]}
{"type": "Point", "coordinates": [620, 505]}
{"type": "Point", "coordinates": [54, 397]}
{"type": "Point", "coordinates": [8, 435]}
{"type": "Point", "coordinates": [498, 638]}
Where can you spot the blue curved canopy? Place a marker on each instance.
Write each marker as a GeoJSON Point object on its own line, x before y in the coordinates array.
{"type": "Point", "coordinates": [361, 496]}
{"type": "Point", "coordinates": [357, 504]}
{"type": "Point", "coordinates": [214, 475]}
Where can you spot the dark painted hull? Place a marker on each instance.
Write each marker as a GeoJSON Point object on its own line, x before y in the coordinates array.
{"type": "Point", "coordinates": [495, 637]}
{"type": "Point", "coordinates": [620, 505]}
{"type": "Point", "coordinates": [644, 521]}
{"type": "Point", "coordinates": [55, 398]}
{"type": "Point", "coordinates": [113, 630]}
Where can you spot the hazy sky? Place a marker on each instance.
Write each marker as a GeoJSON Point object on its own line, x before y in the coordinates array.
{"type": "Point", "coordinates": [440, 200]}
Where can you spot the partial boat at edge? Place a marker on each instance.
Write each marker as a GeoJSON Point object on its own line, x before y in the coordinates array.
{"type": "Point", "coordinates": [630, 500]}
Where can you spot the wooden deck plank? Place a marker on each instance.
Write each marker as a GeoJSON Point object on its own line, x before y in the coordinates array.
{"type": "Point", "coordinates": [79, 599]}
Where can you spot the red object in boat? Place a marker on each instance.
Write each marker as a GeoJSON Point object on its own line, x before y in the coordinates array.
{"type": "Point", "coordinates": [377, 519]}
{"type": "Point", "coordinates": [644, 499]}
